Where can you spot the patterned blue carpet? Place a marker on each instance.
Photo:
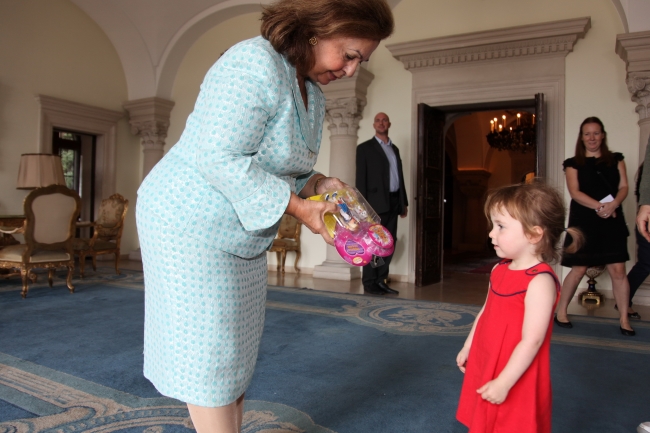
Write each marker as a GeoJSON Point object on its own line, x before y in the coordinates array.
{"type": "Point", "coordinates": [327, 363]}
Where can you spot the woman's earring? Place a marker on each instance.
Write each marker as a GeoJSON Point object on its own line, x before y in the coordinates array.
{"type": "Point", "coordinates": [313, 40]}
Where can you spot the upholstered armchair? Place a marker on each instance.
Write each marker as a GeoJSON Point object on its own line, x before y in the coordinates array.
{"type": "Point", "coordinates": [50, 216]}
{"type": "Point", "coordinates": [288, 239]}
{"type": "Point", "coordinates": [107, 233]}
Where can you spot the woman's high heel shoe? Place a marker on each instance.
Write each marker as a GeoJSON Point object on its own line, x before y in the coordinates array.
{"type": "Point", "coordinates": [627, 332]}
{"type": "Point", "coordinates": [567, 325]}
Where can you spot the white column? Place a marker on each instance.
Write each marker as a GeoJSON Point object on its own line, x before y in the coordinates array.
{"type": "Point", "coordinates": [149, 119]}
{"type": "Point", "coordinates": [634, 49]}
{"type": "Point", "coordinates": [344, 106]}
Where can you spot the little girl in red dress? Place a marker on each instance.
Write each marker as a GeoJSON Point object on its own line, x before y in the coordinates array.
{"type": "Point", "coordinates": [507, 385]}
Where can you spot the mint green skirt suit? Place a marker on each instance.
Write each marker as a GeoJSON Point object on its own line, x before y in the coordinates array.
{"type": "Point", "coordinates": [208, 212]}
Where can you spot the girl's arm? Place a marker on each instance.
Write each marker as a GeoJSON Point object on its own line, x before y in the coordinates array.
{"type": "Point", "coordinates": [539, 302]}
{"type": "Point", "coordinates": [574, 190]}
{"type": "Point", "coordinates": [609, 209]}
{"type": "Point", "coordinates": [461, 358]}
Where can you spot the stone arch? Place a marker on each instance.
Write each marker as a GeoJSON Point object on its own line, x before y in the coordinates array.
{"type": "Point", "coordinates": [190, 33]}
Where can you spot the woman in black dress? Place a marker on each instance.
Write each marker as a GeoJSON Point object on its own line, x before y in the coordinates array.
{"type": "Point", "coordinates": [597, 181]}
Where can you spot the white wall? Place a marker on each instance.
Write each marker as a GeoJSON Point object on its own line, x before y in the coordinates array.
{"type": "Point", "coordinates": [595, 82]}
{"type": "Point", "coordinates": [53, 48]}
{"type": "Point", "coordinates": [595, 75]}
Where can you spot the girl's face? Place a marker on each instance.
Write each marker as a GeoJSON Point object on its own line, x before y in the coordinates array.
{"type": "Point", "coordinates": [592, 137]}
{"type": "Point", "coordinates": [508, 237]}
{"type": "Point", "coordinates": [339, 57]}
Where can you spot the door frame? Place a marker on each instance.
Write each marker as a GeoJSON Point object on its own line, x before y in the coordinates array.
{"type": "Point", "coordinates": [86, 119]}
{"type": "Point", "coordinates": [444, 96]}
{"type": "Point", "coordinates": [489, 66]}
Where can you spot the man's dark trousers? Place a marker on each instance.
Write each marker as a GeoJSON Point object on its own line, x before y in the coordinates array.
{"type": "Point", "coordinates": [379, 274]}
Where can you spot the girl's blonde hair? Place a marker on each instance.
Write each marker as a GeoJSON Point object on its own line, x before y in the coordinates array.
{"type": "Point", "coordinates": [536, 204]}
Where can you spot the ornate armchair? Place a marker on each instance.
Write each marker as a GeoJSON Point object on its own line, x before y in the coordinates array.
{"type": "Point", "coordinates": [288, 239]}
{"type": "Point", "coordinates": [107, 233]}
{"type": "Point", "coordinates": [50, 216]}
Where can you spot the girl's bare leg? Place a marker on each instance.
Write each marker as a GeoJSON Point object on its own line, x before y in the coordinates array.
{"type": "Point", "coordinates": [569, 286]}
{"type": "Point", "coordinates": [223, 419]}
{"type": "Point", "coordinates": [621, 289]}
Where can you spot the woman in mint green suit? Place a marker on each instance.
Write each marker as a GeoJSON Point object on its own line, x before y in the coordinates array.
{"type": "Point", "coordinates": [209, 210]}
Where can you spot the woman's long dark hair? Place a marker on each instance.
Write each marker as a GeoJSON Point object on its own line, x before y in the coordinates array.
{"type": "Point", "coordinates": [605, 154]}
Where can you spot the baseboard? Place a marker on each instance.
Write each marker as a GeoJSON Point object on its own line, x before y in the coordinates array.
{"type": "Point", "coordinates": [642, 296]}
{"type": "Point", "coordinates": [289, 269]}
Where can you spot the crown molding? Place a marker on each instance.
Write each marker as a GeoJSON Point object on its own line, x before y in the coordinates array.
{"type": "Point", "coordinates": [634, 50]}
{"type": "Point", "coordinates": [555, 38]}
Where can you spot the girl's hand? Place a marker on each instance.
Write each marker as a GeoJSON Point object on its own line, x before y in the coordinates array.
{"type": "Point", "coordinates": [494, 391]}
{"type": "Point", "coordinates": [310, 213]}
{"type": "Point", "coordinates": [607, 210]}
{"type": "Point", "coordinates": [461, 358]}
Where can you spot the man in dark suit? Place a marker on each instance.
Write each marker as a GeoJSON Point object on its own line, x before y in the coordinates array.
{"type": "Point", "coordinates": [381, 181]}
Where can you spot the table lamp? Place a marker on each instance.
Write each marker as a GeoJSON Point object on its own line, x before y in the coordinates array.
{"type": "Point", "coordinates": [39, 169]}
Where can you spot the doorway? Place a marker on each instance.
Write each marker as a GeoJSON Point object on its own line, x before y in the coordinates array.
{"type": "Point", "coordinates": [77, 151]}
{"type": "Point", "coordinates": [456, 167]}
{"type": "Point", "coordinates": [475, 168]}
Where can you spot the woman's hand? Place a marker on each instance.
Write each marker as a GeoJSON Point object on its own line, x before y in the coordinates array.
{"type": "Point", "coordinates": [319, 183]}
{"type": "Point", "coordinates": [310, 213]}
{"type": "Point", "coordinates": [330, 184]}
{"type": "Point", "coordinates": [607, 210]}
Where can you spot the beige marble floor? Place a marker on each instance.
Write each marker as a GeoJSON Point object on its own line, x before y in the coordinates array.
{"type": "Point", "coordinates": [459, 288]}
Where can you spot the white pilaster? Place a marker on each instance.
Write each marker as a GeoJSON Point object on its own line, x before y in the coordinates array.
{"type": "Point", "coordinates": [344, 106]}
{"type": "Point", "coordinates": [149, 119]}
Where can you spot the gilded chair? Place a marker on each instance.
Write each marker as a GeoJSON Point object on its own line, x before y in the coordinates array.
{"type": "Point", "coordinates": [50, 216]}
{"type": "Point", "coordinates": [107, 233]}
{"type": "Point", "coordinates": [288, 239]}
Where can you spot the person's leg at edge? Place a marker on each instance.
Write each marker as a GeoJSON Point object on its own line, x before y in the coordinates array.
{"type": "Point", "coordinates": [222, 419]}
{"type": "Point", "coordinates": [621, 289]}
{"type": "Point", "coordinates": [569, 287]}
{"type": "Point", "coordinates": [641, 268]}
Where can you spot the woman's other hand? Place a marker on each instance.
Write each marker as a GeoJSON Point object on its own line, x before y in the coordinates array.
{"type": "Point", "coordinates": [318, 184]}
{"type": "Point", "coordinates": [607, 210]}
{"type": "Point", "coordinates": [311, 213]}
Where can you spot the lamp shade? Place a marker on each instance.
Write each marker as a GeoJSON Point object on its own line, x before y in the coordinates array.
{"type": "Point", "coordinates": [39, 169]}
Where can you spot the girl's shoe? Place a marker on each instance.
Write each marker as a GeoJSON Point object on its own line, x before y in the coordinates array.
{"type": "Point", "coordinates": [644, 427]}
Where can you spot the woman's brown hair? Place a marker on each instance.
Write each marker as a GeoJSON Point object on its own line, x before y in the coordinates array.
{"type": "Point", "coordinates": [605, 154]}
{"type": "Point", "coordinates": [289, 24]}
{"type": "Point", "coordinates": [536, 204]}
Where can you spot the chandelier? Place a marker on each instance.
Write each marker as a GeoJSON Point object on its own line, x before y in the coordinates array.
{"type": "Point", "coordinates": [516, 134]}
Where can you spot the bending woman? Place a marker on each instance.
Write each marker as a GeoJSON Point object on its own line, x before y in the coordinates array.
{"type": "Point", "coordinates": [209, 210]}
{"type": "Point", "coordinates": [597, 181]}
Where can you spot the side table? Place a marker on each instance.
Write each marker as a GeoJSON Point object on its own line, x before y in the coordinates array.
{"type": "Point", "coordinates": [13, 223]}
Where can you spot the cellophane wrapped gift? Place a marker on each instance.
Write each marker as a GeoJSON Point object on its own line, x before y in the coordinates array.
{"type": "Point", "coordinates": [356, 227]}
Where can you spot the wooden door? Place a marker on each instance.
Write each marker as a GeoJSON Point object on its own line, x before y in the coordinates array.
{"type": "Point", "coordinates": [429, 199]}
{"type": "Point", "coordinates": [540, 136]}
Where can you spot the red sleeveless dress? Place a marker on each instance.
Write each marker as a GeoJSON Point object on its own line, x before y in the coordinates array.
{"type": "Point", "coordinates": [527, 409]}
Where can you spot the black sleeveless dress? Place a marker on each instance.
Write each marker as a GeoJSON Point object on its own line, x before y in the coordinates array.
{"type": "Point", "coordinates": [605, 238]}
